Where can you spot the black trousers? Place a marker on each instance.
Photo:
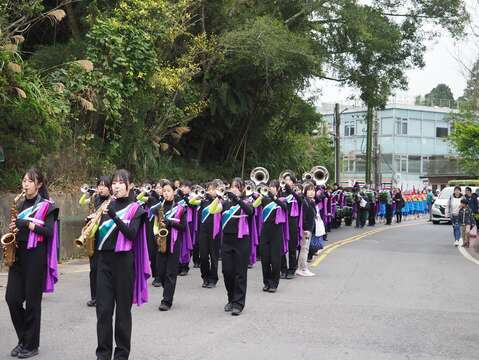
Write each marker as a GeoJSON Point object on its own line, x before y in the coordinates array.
{"type": "Point", "coordinates": [399, 215]}
{"type": "Point", "coordinates": [271, 252]}
{"type": "Point", "coordinates": [152, 249]}
{"type": "Point", "coordinates": [115, 278]}
{"type": "Point", "coordinates": [196, 253]}
{"type": "Point", "coordinates": [292, 264]}
{"type": "Point", "coordinates": [168, 265]}
{"type": "Point", "coordinates": [209, 252]}
{"type": "Point", "coordinates": [234, 259]}
{"type": "Point", "coordinates": [361, 217]}
{"type": "Point", "coordinates": [26, 278]}
{"type": "Point", "coordinates": [93, 272]}
{"type": "Point", "coordinates": [389, 214]}
{"type": "Point", "coordinates": [372, 215]}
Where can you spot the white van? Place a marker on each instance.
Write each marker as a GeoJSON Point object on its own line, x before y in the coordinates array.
{"type": "Point", "coordinates": [439, 208]}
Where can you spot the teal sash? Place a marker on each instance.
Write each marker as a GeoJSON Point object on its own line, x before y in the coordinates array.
{"type": "Point", "coordinates": [228, 215]}
{"type": "Point", "coordinates": [27, 214]}
{"type": "Point", "coordinates": [205, 213]}
{"type": "Point", "coordinates": [108, 226]}
{"type": "Point", "coordinates": [170, 214]}
{"type": "Point", "coordinates": [268, 209]}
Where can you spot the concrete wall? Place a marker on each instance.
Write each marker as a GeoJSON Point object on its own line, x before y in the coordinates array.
{"type": "Point", "coordinates": [72, 217]}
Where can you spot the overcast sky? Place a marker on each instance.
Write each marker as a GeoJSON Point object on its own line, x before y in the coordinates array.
{"type": "Point", "coordinates": [442, 66]}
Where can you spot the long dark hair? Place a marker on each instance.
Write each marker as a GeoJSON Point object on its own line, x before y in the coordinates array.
{"type": "Point", "coordinates": [36, 176]}
{"type": "Point", "coordinates": [105, 181]}
{"type": "Point", "coordinates": [238, 183]}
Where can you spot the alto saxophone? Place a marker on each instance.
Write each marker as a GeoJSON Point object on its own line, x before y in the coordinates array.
{"type": "Point", "coordinates": [87, 237]}
{"type": "Point", "coordinates": [162, 233]}
{"type": "Point", "coordinates": [9, 240]}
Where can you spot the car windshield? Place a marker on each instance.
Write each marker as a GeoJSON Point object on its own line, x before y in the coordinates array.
{"type": "Point", "coordinates": [446, 193]}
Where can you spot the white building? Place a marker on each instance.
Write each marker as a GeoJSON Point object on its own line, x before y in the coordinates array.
{"type": "Point", "coordinates": [412, 141]}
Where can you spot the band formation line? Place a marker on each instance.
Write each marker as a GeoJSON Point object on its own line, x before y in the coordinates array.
{"type": "Point", "coordinates": [156, 231]}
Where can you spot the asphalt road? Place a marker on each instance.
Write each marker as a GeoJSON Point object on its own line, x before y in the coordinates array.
{"type": "Point", "coordinates": [402, 293]}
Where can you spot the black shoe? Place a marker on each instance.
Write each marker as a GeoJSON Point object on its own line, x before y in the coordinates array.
{"type": "Point", "coordinates": [156, 283]}
{"type": "Point", "coordinates": [16, 350]}
{"type": "Point", "coordinates": [196, 266]}
{"type": "Point", "coordinates": [211, 285]}
{"type": "Point", "coordinates": [25, 354]}
{"type": "Point", "coordinates": [266, 288]}
{"type": "Point", "coordinates": [229, 307]}
{"type": "Point", "coordinates": [91, 303]}
{"type": "Point", "coordinates": [164, 307]}
{"type": "Point", "coordinates": [272, 290]}
{"type": "Point", "coordinates": [283, 275]}
{"type": "Point", "coordinates": [183, 273]}
{"type": "Point", "coordinates": [205, 284]}
{"type": "Point", "coordinates": [290, 276]}
{"type": "Point", "coordinates": [236, 311]}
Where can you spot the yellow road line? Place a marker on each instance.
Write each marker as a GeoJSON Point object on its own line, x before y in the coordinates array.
{"type": "Point", "coordinates": [330, 248]}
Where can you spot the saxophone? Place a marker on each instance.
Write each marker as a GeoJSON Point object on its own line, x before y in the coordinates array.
{"type": "Point", "coordinates": [87, 237]}
{"type": "Point", "coordinates": [9, 240]}
{"type": "Point", "coordinates": [162, 233]}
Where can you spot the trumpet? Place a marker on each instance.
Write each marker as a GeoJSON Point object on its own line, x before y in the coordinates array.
{"type": "Point", "coordinates": [250, 187]}
{"type": "Point", "coordinates": [220, 191]}
{"type": "Point", "coordinates": [199, 191]}
{"type": "Point", "coordinates": [85, 188]}
{"type": "Point", "coordinates": [307, 176]}
{"type": "Point", "coordinates": [259, 175]}
{"type": "Point", "coordinates": [263, 189]}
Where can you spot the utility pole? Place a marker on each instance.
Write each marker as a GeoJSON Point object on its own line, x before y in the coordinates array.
{"type": "Point", "coordinates": [376, 150]}
{"type": "Point", "coordinates": [337, 152]}
{"type": "Point", "coordinates": [369, 144]}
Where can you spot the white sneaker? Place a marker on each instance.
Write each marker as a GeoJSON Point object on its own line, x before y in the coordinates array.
{"type": "Point", "coordinates": [456, 243]}
{"type": "Point", "coordinates": [300, 273]}
{"type": "Point", "coordinates": [309, 272]}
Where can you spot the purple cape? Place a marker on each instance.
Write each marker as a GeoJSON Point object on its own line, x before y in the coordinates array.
{"type": "Point", "coordinates": [51, 275]}
{"type": "Point", "coordinates": [142, 260]}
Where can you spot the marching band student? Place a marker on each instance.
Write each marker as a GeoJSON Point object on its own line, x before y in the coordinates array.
{"type": "Point", "coordinates": [182, 198]}
{"type": "Point", "coordinates": [209, 236]}
{"type": "Point", "coordinates": [154, 199]}
{"type": "Point", "coordinates": [174, 220]}
{"type": "Point", "coordinates": [310, 214]}
{"type": "Point", "coordinates": [35, 268]}
{"type": "Point", "coordinates": [102, 194]}
{"type": "Point", "coordinates": [123, 268]}
{"type": "Point", "coordinates": [272, 235]}
{"type": "Point", "coordinates": [289, 262]}
{"type": "Point", "coordinates": [236, 246]}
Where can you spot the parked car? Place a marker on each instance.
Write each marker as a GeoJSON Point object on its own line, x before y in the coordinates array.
{"type": "Point", "coordinates": [439, 208]}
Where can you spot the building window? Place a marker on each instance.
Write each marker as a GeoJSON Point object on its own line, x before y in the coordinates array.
{"type": "Point", "coordinates": [425, 165]}
{"type": "Point", "coordinates": [348, 165]}
{"type": "Point", "coordinates": [442, 132]}
{"type": "Point", "coordinates": [360, 164]}
{"type": "Point", "coordinates": [401, 126]}
{"type": "Point", "coordinates": [400, 163]}
{"type": "Point", "coordinates": [349, 128]}
{"type": "Point", "coordinates": [386, 163]}
{"type": "Point", "coordinates": [414, 164]}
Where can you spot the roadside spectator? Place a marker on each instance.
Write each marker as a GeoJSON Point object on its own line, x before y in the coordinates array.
{"type": "Point", "coordinates": [399, 200]}
{"type": "Point", "coordinates": [466, 221]}
{"type": "Point", "coordinates": [471, 200]}
{"type": "Point", "coordinates": [453, 206]}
